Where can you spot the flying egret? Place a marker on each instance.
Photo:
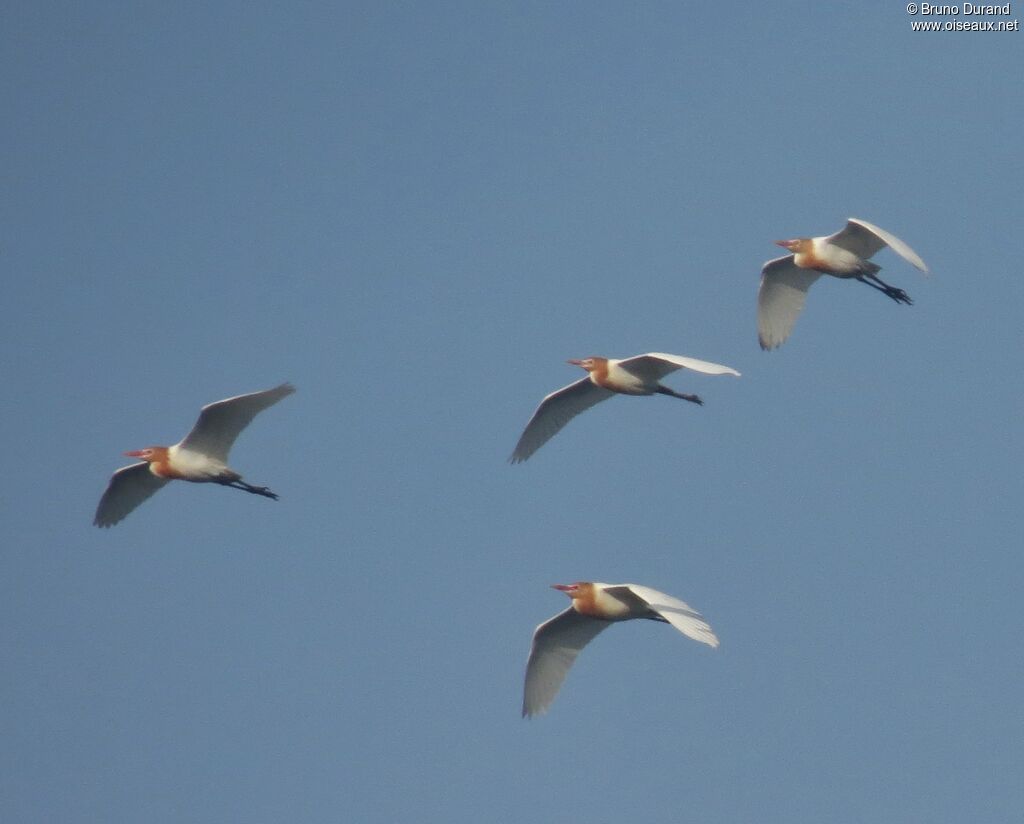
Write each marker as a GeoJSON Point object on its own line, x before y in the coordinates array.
{"type": "Point", "coordinates": [558, 641]}
{"type": "Point", "coordinates": [638, 375]}
{"type": "Point", "coordinates": [785, 280]}
{"type": "Point", "coordinates": [201, 456]}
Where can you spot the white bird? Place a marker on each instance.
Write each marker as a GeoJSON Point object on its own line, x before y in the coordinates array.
{"type": "Point", "coordinates": [201, 456]}
{"type": "Point", "coordinates": [558, 641]}
{"type": "Point", "coordinates": [638, 375]}
{"type": "Point", "coordinates": [785, 280]}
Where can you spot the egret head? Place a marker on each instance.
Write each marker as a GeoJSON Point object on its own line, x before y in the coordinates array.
{"type": "Point", "coordinates": [590, 364]}
{"type": "Point", "coordinates": [574, 591]}
{"type": "Point", "coordinates": [796, 245]}
{"type": "Point", "coordinates": [150, 453]}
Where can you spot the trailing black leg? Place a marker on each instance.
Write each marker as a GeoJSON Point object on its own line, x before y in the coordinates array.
{"type": "Point", "coordinates": [893, 292]}
{"type": "Point", "coordinates": [255, 490]}
{"type": "Point", "coordinates": [664, 390]}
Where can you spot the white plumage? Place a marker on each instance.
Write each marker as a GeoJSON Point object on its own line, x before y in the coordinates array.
{"type": "Point", "coordinates": [785, 280]}
{"type": "Point", "coordinates": [201, 456]}
{"type": "Point", "coordinates": [638, 375]}
{"type": "Point", "coordinates": [558, 641]}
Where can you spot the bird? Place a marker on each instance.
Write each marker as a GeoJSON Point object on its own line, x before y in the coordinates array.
{"type": "Point", "coordinates": [785, 280]}
{"type": "Point", "coordinates": [558, 641]}
{"type": "Point", "coordinates": [638, 375]}
{"type": "Point", "coordinates": [201, 456]}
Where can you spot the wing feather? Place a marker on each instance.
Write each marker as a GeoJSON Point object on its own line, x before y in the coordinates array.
{"type": "Point", "coordinates": [679, 614]}
{"type": "Point", "coordinates": [865, 239]}
{"type": "Point", "coordinates": [221, 422]}
{"type": "Point", "coordinates": [554, 412]}
{"type": "Point", "coordinates": [556, 643]}
{"type": "Point", "coordinates": [128, 488]}
{"type": "Point", "coordinates": [780, 299]}
{"type": "Point", "coordinates": [656, 365]}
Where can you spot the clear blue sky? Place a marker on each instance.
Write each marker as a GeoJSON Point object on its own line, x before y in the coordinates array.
{"type": "Point", "coordinates": [416, 212]}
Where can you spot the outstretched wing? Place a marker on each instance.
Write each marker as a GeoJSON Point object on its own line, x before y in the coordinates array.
{"type": "Point", "coordinates": [220, 422]}
{"type": "Point", "coordinates": [556, 643]}
{"type": "Point", "coordinates": [656, 365]}
{"type": "Point", "coordinates": [128, 488]}
{"type": "Point", "coordinates": [780, 299]}
{"type": "Point", "coordinates": [865, 239]}
{"type": "Point", "coordinates": [554, 412]}
{"type": "Point", "coordinates": [679, 614]}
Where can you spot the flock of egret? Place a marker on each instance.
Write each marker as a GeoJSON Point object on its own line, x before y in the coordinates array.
{"type": "Point", "coordinates": [201, 456]}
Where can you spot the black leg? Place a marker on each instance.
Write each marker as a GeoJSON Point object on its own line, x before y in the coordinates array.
{"type": "Point", "coordinates": [664, 390]}
{"type": "Point", "coordinates": [255, 490]}
{"type": "Point", "coordinates": [893, 292]}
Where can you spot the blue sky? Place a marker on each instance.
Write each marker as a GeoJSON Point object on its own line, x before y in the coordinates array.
{"type": "Point", "coordinates": [416, 212]}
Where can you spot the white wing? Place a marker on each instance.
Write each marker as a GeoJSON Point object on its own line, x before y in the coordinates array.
{"type": "Point", "coordinates": [780, 299]}
{"type": "Point", "coordinates": [219, 423]}
{"type": "Point", "coordinates": [554, 412]}
{"type": "Point", "coordinates": [865, 239]}
{"type": "Point", "coordinates": [128, 488]}
{"type": "Point", "coordinates": [556, 643]}
{"type": "Point", "coordinates": [656, 365]}
{"type": "Point", "coordinates": [680, 615]}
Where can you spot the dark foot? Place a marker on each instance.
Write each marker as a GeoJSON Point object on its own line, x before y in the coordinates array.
{"type": "Point", "coordinates": [664, 390]}
{"type": "Point", "coordinates": [899, 295]}
{"type": "Point", "coordinates": [893, 292]}
{"type": "Point", "coordinates": [255, 490]}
